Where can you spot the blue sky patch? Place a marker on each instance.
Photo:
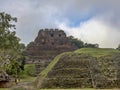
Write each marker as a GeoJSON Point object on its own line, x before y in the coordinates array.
{"type": "Point", "coordinates": [75, 21]}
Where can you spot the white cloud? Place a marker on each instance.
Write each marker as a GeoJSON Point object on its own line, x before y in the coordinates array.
{"type": "Point", "coordinates": [103, 26]}
{"type": "Point", "coordinates": [94, 31]}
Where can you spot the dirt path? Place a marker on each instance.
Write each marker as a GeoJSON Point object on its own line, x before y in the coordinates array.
{"type": "Point", "coordinates": [24, 86]}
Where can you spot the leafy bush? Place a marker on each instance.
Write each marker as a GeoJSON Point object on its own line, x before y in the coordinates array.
{"type": "Point", "coordinates": [29, 70]}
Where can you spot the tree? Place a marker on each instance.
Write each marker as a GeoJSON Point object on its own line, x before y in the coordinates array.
{"type": "Point", "coordinates": [22, 59]}
{"type": "Point", "coordinates": [9, 44]}
{"type": "Point", "coordinates": [89, 45]}
{"type": "Point", "coordinates": [22, 47]}
{"type": "Point", "coordinates": [7, 38]}
{"type": "Point", "coordinates": [30, 44]}
{"type": "Point", "coordinates": [78, 43]}
{"type": "Point", "coordinates": [118, 47]}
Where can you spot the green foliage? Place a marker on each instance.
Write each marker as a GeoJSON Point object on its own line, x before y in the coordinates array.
{"type": "Point", "coordinates": [13, 67]}
{"type": "Point", "coordinates": [89, 45]}
{"type": "Point", "coordinates": [10, 48]}
{"type": "Point", "coordinates": [118, 47]}
{"type": "Point", "coordinates": [78, 43]}
{"type": "Point", "coordinates": [28, 70]}
{"type": "Point", "coordinates": [8, 39]}
{"type": "Point", "coordinates": [9, 61]}
{"type": "Point", "coordinates": [30, 44]}
{"type": "Point", "coordinates": [22, 47]}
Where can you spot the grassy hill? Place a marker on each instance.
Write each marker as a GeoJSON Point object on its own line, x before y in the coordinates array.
{"type": "Point", "coordinates": [83, 68]}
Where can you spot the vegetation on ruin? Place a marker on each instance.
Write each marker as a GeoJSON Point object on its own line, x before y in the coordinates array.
{"type": "Point", "coordinates": [97, 52]}
{"type": "Point", "coordinates": [83, 68]}
{"type": "Point", "coordinates": [80, 44]}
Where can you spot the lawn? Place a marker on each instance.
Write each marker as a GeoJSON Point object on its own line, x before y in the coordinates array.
{"type": "Point", "coordinates": [4, 89]}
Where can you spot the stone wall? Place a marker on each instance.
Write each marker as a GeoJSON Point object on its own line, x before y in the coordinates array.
{"type": "Point", "coordinates": [4, 80]}
{"type": "Point", "coordinates": [48, 44]}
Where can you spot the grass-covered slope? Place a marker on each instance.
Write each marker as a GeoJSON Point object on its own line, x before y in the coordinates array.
{"type": "Point", "coordinates": [97, 52]}
{"type": "Point", "coordinates": [83, 68]}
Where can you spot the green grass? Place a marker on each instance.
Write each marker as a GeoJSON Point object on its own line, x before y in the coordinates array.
{"type": "Point", "coordinates": [97, 52]}
{"type": "Point", "coordinates": [27, 74]}
{"type": "Point", "coordinates": [4, 89]}
{"type": "Point", "coordinates": [80, 89]}
{"type": "Point", "coordinates": [28, 79]}
{"type": "Point", "coordinates": [29, 69]}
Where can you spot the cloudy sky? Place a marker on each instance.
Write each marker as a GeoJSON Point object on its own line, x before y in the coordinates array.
{"type": "Point", "coordinates": [93, 21]}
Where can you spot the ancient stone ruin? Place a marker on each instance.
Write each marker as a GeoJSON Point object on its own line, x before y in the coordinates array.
{"type": "Point", "coordinates": [48, 44]}
{"type": "Point", "coordinates": [4, 80]}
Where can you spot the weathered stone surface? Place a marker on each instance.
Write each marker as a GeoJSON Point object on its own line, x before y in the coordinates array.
{"type": "Point", "coordinates": [48, 44]}
{"type": "Point", "coordinates": [3, 76]}
{"type": "Point", "coordinates": [4, 80]}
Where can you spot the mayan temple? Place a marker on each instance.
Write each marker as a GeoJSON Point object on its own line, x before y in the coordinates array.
{"type": "Point", "coordinates": [48, 44]}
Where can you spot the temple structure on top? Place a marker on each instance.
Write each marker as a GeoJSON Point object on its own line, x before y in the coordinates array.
{"type": "Point", "coordinates": [48, 44]}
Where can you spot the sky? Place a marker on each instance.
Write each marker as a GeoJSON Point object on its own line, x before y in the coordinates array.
{"type": "Point", "coordinates": [92, 21]}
